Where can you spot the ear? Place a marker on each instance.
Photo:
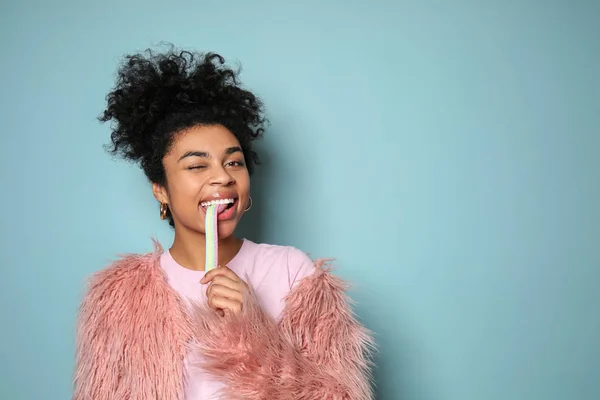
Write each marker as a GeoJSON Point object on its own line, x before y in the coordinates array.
{"type": "Point", "coordinates": [160, 193]}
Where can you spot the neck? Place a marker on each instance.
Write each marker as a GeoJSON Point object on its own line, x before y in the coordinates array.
{"type": "Point", "coordinates": [189, 250]}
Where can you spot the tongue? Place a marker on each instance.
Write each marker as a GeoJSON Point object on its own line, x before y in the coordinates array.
{"type": "Point", "coordinates": [221, 208]}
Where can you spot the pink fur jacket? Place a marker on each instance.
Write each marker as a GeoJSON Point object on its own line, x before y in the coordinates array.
{"type": "Point", "coordinates": [134, 331]}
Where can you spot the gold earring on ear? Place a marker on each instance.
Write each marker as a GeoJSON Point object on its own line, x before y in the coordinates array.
{"type": "Point", "coordinates": [250, 206]}
{"type": "Point", "coordinates": [163, 210]}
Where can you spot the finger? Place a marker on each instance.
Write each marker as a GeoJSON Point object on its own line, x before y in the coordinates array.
{"type": "Point", "coordinates": [225, 304]}
{"type": "Point", "coordinates": [215, 307]}
{"type": "Point", "coordinates": [224, 291]}
{"type": "Point", "coordinates": [227, 282]}
{"type": "Point", "coordinates": [220, 271]}
{"type": "Point", "coordinates": [223, 281]}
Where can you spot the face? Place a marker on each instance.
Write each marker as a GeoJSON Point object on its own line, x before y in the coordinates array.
{"type": "Point", "coordinates": [205, 164]}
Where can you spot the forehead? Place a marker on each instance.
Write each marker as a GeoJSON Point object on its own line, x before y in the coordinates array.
{"type": "Point", "coordinates": [211, 139]}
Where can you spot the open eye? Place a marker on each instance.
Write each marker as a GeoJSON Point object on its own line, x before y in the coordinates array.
{"type": "Point", "coordinates": [235, 164]}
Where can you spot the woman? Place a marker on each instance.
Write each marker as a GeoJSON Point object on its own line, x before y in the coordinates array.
{"type": "Point", "coordinates": [268, 323]}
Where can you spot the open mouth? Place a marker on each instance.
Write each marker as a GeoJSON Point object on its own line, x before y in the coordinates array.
{"type": "Point", "coordinates": [222, 204]}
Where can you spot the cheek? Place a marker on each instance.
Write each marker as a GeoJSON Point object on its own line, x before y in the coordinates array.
{"type": "Point", "coordinates": [184, 191]}
{"type": "Point", "coordinates": [244, 185]}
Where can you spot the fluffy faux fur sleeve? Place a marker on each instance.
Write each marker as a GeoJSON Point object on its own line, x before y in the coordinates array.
{"type": "Point", "coordinates": [318, 351]}
{"type": "Point", "coordinates": [132, 334]}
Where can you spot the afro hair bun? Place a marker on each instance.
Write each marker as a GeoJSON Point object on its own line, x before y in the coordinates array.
{"type": "Point", "coordinates": [159, 94]}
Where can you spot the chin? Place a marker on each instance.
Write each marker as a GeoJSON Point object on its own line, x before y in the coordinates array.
{"type": "Point", "coordinates": [226, 229]}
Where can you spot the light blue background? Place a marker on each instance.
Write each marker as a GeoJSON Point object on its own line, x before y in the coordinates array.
{"type": "Point", "coordinates": [447, 153]}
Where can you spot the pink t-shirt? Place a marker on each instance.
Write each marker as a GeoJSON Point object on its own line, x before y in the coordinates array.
{"type": "Point", "coordinates": [271, 270]}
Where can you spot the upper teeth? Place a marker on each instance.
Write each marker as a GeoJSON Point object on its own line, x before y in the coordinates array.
{"type": "Point", "coordinates": [214, 202]}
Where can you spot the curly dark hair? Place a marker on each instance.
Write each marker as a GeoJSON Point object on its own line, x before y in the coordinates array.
{"type": "Point", "coordinates": [160, 94]}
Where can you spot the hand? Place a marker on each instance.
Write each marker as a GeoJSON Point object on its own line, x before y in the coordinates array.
{"type": "Point", "coordinates": [226, 291]}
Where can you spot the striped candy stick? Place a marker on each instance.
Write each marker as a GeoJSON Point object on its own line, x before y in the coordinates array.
{"type": "Point", "coordinates": [212, 238]}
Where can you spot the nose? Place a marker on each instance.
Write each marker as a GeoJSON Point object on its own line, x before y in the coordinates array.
{"type": "Point", "coordinates": [221, 177]}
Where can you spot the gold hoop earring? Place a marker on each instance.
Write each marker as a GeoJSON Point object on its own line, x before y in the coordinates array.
{"type": "Point", "coordinates": [163, 210]}
{"type": "Point", "coordinates": [250, 206]}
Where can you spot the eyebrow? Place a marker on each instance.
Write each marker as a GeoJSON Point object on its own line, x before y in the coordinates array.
{"type": "Point", "coordinates": [204, 154]}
